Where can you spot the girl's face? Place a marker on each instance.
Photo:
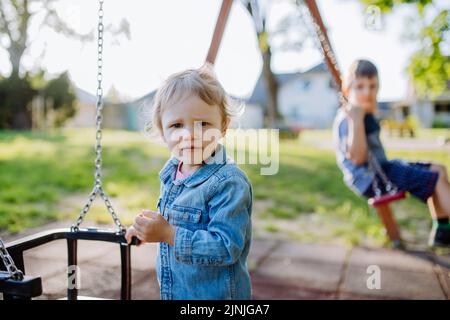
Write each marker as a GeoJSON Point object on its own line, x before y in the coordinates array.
{"type": "Point", "coordinates": [363, 93]}
{"type": "Point", "coordinates": [192, 129]}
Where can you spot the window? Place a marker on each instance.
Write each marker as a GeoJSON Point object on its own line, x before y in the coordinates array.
{"type": "Point", "coordinates": [442, 107]}
{"type": "Point", "coordinates": [331, 84]}
{"type": "Point", "coordinates": [304, 85]}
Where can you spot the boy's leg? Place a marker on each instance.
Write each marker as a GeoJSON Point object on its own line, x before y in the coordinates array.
{"type": "Point", "coordinates": [439, 202]}
{"type": "Point", "coordinates": [428, 183]}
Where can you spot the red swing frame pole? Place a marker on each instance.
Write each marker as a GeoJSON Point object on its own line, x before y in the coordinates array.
{"type": "Point", "coordinates": [315, 13]}
{"type": "Point", "coordinates": [218, 31]}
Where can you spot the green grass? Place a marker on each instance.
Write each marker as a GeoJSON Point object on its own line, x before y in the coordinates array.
{"type": "Point", "coordinates": [48, 176]}
{"type": "Point", "coordinates": [39, 171]}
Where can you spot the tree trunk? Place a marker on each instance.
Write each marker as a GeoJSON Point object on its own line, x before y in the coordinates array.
{"type": "Point", "coordinates": [23, 94]}
{"type": "Point", "coordinates": [259, 20]}
{"type": "Point", "coordinates": [271, 89]}
{"type": "Point", "coordinates": [21, 115]}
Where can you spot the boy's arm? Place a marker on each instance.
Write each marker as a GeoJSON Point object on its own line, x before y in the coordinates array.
{"type": "Point", "coordinates": [357, 142]}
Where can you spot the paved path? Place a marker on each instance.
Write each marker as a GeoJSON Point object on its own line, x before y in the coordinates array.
{"type": "Point", "coordinates": [279, 270]}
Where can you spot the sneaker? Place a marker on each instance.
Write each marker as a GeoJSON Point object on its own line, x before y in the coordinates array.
{"type": "Point", "coordinates": [439, 236]}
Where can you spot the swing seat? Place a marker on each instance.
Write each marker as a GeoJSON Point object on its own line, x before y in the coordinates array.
{"type": "Point", "coordinates": [31, 287]}
{"type": "Point", "coordinates": [27, 288]}
{"type": "Point", "coordinates": [386, 198]}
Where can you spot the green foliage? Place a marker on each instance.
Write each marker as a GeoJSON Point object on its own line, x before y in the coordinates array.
{"type": "Point", "coordinates": [439, 123]}
{"type": "Point", "coordinates": [15, 96]}
{"type": "Point", "coordinates": [429, 67]}
{"type": "Point", "coordinates": [388, 5]}
{"type": "Point", "coordinates": [59, 95]}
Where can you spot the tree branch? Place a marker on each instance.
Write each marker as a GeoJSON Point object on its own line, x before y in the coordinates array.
{"type": "Point", "coordinates": [54, 21]}
{"type": "Point", "coordinates": [4, 24]}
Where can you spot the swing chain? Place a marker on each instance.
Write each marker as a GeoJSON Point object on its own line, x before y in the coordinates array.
{"type": "Point", "coordinates": [98, 188]}
{"type": "Point", "coordinates": [375, 167]}
{"type": "Point", "coordinates": [327, 52]}
{"type": "Point", "coordinates": [322, 44]}
{"type": "Point", "coordinates": [10, 266]}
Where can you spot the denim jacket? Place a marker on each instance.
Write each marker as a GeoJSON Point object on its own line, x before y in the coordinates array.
{"type": "Point", "coordinates": [211, 212]}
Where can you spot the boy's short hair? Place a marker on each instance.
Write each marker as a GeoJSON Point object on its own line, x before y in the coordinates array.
{"type": "Point", "coordinates": [361, 68]}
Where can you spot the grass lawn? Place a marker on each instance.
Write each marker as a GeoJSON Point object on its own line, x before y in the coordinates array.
{"type": "Point", "coordinates": [48, 176]}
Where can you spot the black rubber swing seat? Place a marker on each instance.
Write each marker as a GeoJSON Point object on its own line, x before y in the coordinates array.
{"type": "Point", "coordinates": [27, 288]}
{"type": "Point", "coordinates": [31, 287]}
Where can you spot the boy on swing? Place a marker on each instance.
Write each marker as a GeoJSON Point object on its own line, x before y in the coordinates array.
{"type": "Point", "coordinates": [356, 133]}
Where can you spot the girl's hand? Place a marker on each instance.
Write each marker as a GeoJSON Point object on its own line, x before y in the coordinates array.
{"type": "Point", "coordinates": [150, 226]}
{"type": "Point", "coordinates": [131, 232]}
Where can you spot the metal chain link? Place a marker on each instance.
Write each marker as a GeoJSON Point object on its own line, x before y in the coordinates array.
{"type": "Point", "coordinates": [98, 189]}
{"type": "Point", "coordinates": [322, 43]}
{"type": "Point", "coordinates": [375, 167]}
{"type": "Point", "coordinates": [13, 271]}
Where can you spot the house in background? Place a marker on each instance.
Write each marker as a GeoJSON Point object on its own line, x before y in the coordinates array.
{"type": "Point", "coordinates": [116, 114]}
{"type": "Point", "coordinates": [305, 100]}
{"type": "Point", "coordinates": [430, 112]}
{"type": "Point", "coordinates": [85, 110]}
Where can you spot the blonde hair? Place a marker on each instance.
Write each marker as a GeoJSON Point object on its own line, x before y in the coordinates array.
{"type": "Point", "coordinates": [201, 82]}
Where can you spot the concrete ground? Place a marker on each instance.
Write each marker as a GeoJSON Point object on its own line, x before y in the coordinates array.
{"type": "Point", "coordinates": [279, 270]}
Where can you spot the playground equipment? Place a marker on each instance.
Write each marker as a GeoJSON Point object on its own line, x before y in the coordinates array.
{"type": "Point", "coordinates": [13, 283]}
{"type": "Point", "coordinates": [385, 191]}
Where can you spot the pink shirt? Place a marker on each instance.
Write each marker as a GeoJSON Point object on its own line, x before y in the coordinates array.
{"type": "Point", "coordinates": [179, 174]}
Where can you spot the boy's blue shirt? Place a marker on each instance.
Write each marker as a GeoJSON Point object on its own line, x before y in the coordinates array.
{"type": "Point", "coordinates": [358, 177]}
{"type": "Point", "coordinates": [211, 211]}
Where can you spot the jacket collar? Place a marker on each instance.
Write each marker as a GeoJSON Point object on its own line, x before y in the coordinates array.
{"type": "Point", "coordinates": [210, 165]}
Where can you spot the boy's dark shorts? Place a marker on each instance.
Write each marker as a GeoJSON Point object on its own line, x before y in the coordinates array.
{"type": "Point", "coordinates": [413, 177]}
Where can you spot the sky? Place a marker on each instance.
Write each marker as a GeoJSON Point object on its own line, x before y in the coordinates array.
{"type": "Point", "coordinates": [171, 35]}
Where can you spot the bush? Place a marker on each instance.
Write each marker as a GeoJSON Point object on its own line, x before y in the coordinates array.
{"type": "Point", "coordinates": [440, 124]}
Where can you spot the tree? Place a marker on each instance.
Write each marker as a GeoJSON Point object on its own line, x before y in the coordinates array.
{"type": "Point", "coordinates": [290, 34]}
{"type": "Point", "coordinates": [15, 19]}
{"type": "Point", "coordinates": [15, 96]}
{"type": "Point", "coordinates": [429, 66]}
{"type": "Point", "coordinates": [59, 98]}
{"type": "Point", "coordinates": [260, 21]}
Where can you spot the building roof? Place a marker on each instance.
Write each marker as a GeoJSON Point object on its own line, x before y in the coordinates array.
{"type": "Point", "coordinates": [318, 68]}
{"type": "Point", "coordinates": [85, 97]}
{"type": "Point", "coordinates": [259, 94]}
